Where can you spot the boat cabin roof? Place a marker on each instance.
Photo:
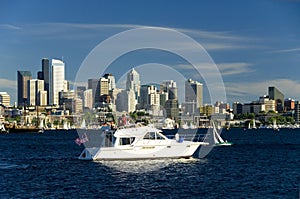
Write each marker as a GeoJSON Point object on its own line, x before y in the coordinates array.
{"type": "Point", "coordinates": [136, 132]}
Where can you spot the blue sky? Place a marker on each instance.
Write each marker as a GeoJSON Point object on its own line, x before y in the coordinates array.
{"type": "Point", "coordinates": [255, 44]}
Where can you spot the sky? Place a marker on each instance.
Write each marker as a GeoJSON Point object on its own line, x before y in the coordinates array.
{"type": "Point", "coordinates": [254, 44]}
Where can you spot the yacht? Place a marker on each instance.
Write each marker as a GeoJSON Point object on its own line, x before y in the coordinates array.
{"type": "Point", "coordinates": [140, 142]}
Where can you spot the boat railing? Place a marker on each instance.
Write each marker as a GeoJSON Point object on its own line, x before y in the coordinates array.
{"type": "Point", "coordinates": [189, 137]}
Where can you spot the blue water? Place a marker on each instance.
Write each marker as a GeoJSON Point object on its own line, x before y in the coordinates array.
{"type": "Point", "coordinates": [260, 164]}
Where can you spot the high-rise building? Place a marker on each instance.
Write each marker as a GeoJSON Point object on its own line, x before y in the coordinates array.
{"type": "Point", "coordinates": [297, 112]}
{"type": "Point", "coordinates": [92, 84]}
{"type": "Point", "coordinates": [88, 98]}
{"type": "Point", "coordinates": [4, 99]}
{"type": "Point", "coordinates": [237, 108]}
{"type": "Point", "coordinates": [149, 96]}
{"type": "Point", "coordinates": [77, 105]}
{"type": "Point", "coordinates": [170, 87]}
{"type": "Point", "coordinates": [126, 101]}
{"type": "Point", "coordinates": [111, 81]}
{"type": "Point", "coordinates": [23, 77]}
{"type": "Point", "coordinates": [289, 104]}
{"type": "Point", "coordinates": [133, 83]}
{"type": "Point", "coordinates": [102, 89]}
{"type": "Point", "coordinates": [58, 80]}
{"type": "Point", "coordinates": [42, 98]}
{"type": "Point", "coordinates": [46, 70]}
{"type": "Point", "coordinates": [66, 99]}
{"type": "Point", "coordinates": [193, 96]}
{"type": "Point", "coordinates": [33, 89]}
{"type": "Point", "coordinates": [171, 107]}
{"type": "Point", "coordinates": [275, 94]}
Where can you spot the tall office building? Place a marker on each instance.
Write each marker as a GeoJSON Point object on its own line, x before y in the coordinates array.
{"type": "Point", "coordinates": [4, 99]}
{"type": "Point", "coordinates": [126, 101]}
{"type": "Point", "coordinates": [57, 80]}
{"type": "Point", "coordinates": [33, 89]}
{"type": "Point", "coordinates": [102, 89]}
{"type": "Point", "coordinates": [149, 96]}
{"type": "Point", "coordinates": [88, 98]}
{"type": "Point", "coordinates": [46, 70]}
{"type": "Point", "coordinates": [193, 96]}
{"type": "Point", "coordinates": [42, 98]}
{"type": "Point", "coordinates": [23, 77]}
{"type": "Point", "coordinates": [133, 83]}
{"type": "Point", "coordinates": [297, 112]}
{"type": "Point", "coordinates": [170, 87]}
{"type": "Point", "coordinates": [275, 94]}
{"type": "Point", "coordinates": [111, 81]}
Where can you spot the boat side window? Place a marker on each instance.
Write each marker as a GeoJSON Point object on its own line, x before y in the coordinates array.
{"type": "Point", "coordinates": [159, 137]}
{"type": "Point", "coordinates": [127, 141]}
{"type": "Point", "coordinates": [149, 136]}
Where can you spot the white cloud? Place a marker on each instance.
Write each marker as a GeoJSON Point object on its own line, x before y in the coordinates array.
{"type": "Point", "coordinates": [7, 84]}
{"type": "Point", "coordinates": [9, 27]}
{"type": "Point", "coordinates": [286, 50]}
{"type": "Point", "coordinates": [234, 68]}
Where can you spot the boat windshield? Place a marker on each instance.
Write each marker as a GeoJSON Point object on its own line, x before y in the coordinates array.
{"type": "Point", "coordinates": [153, 136]}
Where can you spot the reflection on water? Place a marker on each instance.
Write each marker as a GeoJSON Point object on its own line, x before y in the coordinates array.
{"type": "Point", "coordinates": [144, 166]}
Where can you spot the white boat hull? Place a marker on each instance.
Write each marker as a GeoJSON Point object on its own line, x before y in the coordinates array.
{"type": "Point", "coordinates": [146, 151]}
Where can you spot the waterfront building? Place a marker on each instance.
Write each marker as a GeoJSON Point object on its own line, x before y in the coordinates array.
{"type": "Point", "coordinates": [270, 104]}
{"type": "Point", "coordinates": [208, 110]}
{"type": "Point", "coordinates": [237, 108]}
{"type": "Point", "coordinates": [254, 107]}
{"type": "Point", "coordinates": [289, 104]}
{"type": "Point", "coordinates": [193, 96]}
{"type": "Point", "coordinates": [297, 112]}
{"type": "Point", "coordinates": [23, 77]}
{"type": "Point", "coordinates": [275, 94]}
{"type": "Point", "coordinates": [4, 99]}
{"type": "Point", "coordinates": [58, 80]}
{"type": "Point", "coordinates": [133, 83]}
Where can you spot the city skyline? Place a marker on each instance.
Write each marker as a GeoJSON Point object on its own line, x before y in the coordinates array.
{"type": "Point", "coordinates": [254, 44]}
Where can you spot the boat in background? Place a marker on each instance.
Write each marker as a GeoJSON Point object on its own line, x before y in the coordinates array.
{"type": "Point", "coordinates": [217, 139]}
{"type": "Point", "coordinates": [14, 128]}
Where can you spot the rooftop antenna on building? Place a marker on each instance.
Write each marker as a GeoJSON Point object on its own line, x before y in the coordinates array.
{"type": "Point", "coordinates": [62, 58]}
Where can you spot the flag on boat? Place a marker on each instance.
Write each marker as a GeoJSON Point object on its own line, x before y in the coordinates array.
{"type": "Point", "coordinates": [81, 140]}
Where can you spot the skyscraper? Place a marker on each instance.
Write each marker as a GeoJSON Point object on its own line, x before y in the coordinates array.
{"type": "Point", "coordinates": [23, 77]}
{"type": "Point", "coordinates": [275, 94]}
{"type": "Point", "coordinates": [102, 89]}
{"type": "Point", "coordinates": [58, 79]}
{"type": "Point", "coordinates": [111, 81]}
{"type": "Point", "coordinates": [46, 70]}
{"type": "Point", "coordinates": [193, 96]}
{"type": "Point", "coordinates": [133, 83]}
{"type": "Point", "coordinates": [33, 89]}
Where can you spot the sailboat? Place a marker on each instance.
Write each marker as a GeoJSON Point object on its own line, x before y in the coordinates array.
{"type": "Point", "coordinates": [275, 126]}
{"type": "Point", "coordinates": [83, 125]}
{"type": "Point", "coordinates": [217, 139]}
{"type": "Point", "coordinates": [254, 125]}
{"type": "Point", "coordinates": [66, 125]}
